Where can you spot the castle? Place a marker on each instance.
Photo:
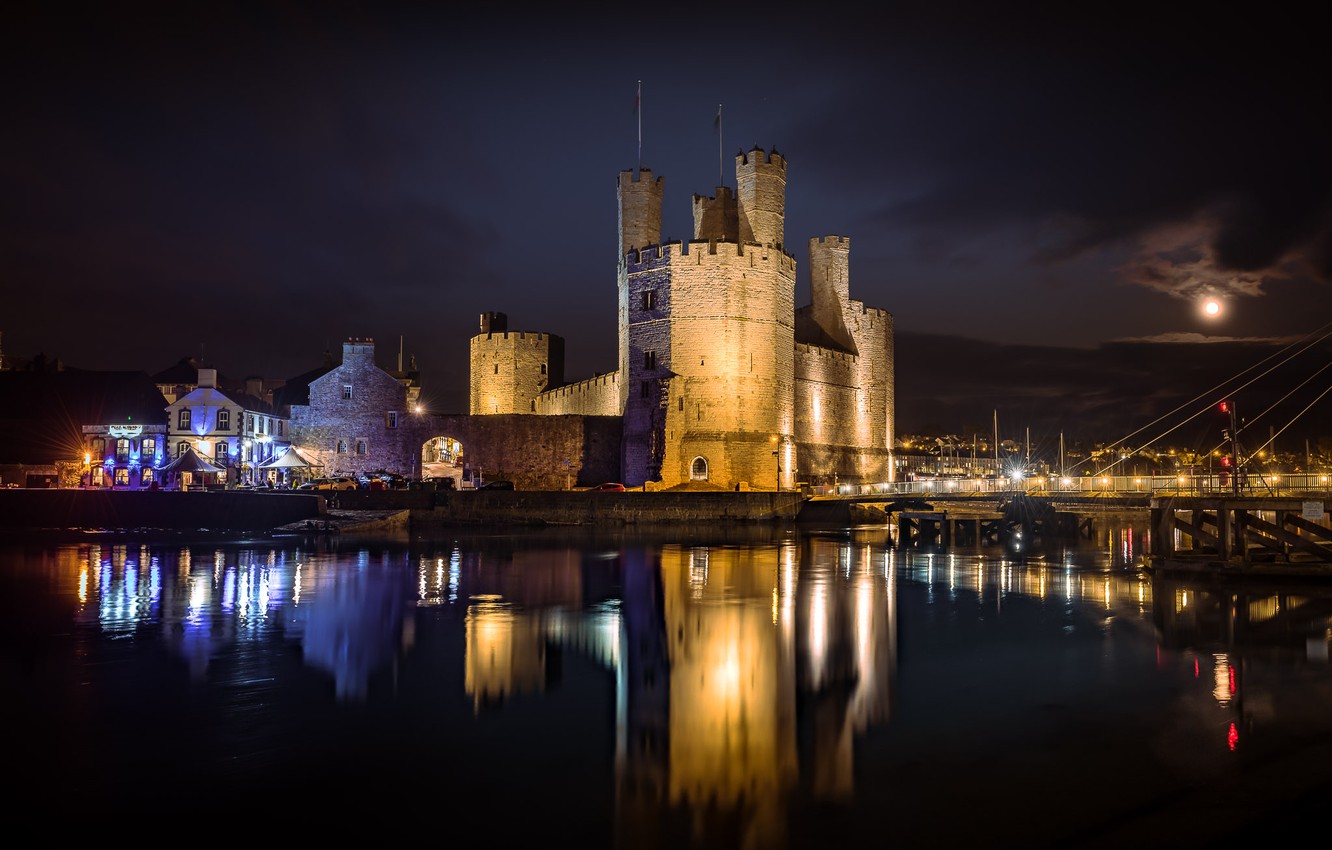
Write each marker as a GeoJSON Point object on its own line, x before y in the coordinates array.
{"type": "Point", "coordinates": [721, 378]}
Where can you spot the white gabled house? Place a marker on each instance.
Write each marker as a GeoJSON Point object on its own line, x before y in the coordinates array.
{"type": "Point", "coordinates": [232, 430]}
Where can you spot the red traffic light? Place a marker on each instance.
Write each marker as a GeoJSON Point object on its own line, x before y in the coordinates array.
{"type": "Point", "coordinates": [1225, 407]}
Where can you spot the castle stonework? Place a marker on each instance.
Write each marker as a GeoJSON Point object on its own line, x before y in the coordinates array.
{"type": "Point", "coordinates": [509, 370]}
{"type": "Point", "coordinates": [359, 418]}
{"type": "Point", "coordinates": [720, 378]}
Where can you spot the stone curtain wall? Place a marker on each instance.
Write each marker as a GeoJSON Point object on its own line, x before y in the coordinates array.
{"type": "Point", "coordinates": [538, 452]}
{"type": "Point", "coordinates": [596, 396]}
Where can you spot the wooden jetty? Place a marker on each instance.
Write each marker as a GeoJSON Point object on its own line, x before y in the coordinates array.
{"type": "Point", "coordinates": [1021, 516]}
{"type": "Point", "coordinates": [1241, 534]}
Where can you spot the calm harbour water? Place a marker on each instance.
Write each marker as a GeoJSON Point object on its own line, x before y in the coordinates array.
{"type": "Point", "coordinates": [705, 687]}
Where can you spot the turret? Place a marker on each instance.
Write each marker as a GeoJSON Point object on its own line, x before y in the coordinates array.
{"type": "Point", "coordinates": [830, 287]}
{"type": "Point", "coordinates": [640, 209]}
{"type": "Point", "coordinates": [761, 196]}
{"type": "Point", "coordinates": [716, 218]}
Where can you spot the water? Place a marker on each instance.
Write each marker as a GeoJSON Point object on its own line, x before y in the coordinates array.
{"type": "Point", "coordinates": [724, 687]}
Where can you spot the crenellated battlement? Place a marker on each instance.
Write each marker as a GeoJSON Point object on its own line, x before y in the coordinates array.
{"type": "Point", "coordinates": [698, 249]}
{"type": "Point", "coordinates": [517, 336]}
{"type": "Point", "coordinates": [843, 242]}
{"type": "Point", "coordinates": [825, 353]}
{"type": "Point", "coordinates": [642, 175]}
{"type": "Point", "coordinates": [757, 156]}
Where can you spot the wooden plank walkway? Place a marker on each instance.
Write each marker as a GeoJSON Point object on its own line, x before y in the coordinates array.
{"type": "Point", "coordinates": [1241, 534]}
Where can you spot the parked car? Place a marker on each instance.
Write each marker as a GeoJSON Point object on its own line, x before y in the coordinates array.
{"type": "Point", "coordinates": [609, 487]}
{"type": "Point", "coordinates": [337, 482]}
{"type": "Point", "coordinates": [497, 485]}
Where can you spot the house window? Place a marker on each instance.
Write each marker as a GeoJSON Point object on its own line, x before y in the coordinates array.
{"type": "Point", "coordinates": [360, 447]}
{"type": "Point", "coordinates": [122, 450]}
{"type": "Point", "coordinates": [146, 477]}
{"type": "Point", "coordinates": [280, 428]}
{"type": "Point", "coordinates": [346, 390]}
{"type": "Point", "coordinates": [391, 419]}
{"type": "Point", "coordinates": [221, 453]}
{"type": "Point", "coordinates": [181, 447]}
{"type": "Point", "coordinates": [122, 476]}
{"type": "Point", "coordinates": [148, 448]}
{"type": "Point", "coordinates": [649, 299]}
{"type": "Point", "coordinates": [224, 420]}
{"type": "Point", "coordinates": [183, 419]}
{"type": "Point", "coordinates": [342, 447]}
{"type": "Point", "coordinates": [649, 359]}
{"type": "Point", "coordinates": [98, 446]}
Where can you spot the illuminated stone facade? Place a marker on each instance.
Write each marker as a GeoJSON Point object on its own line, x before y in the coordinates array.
{"type": "Point", "coordinates": [720, 377]}
{"type": "Point", "coordinates": [360, 418]}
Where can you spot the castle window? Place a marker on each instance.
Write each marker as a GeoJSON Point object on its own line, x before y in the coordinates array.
{"type": "Point", "coordinates": [391, 419]}
{"type": "Point", "coordinates": [224, 420]}
{"type": "Point", "coordinates": [342, 447]}
{"type": "Point", "coordinates": [649, 359]}
{"type": "Point", "coordinates": [496, 368]}
{"type": "Point", "coordinates": [534, 405]}
{"type": "Point", "coordinates": [543, 368]}
{"type": "Point", "coordinates": [346, 391]}
{"type": "Point", "coordinates": [682, 402]}
{"type": "Point", "coordinates": [649, 299]}
{"type": "Point", "coordinates": [643, 390]}
{"type": "Point", "coordinates": [183, 419]}
{"type": "Point", "coordinates": [360, 447]}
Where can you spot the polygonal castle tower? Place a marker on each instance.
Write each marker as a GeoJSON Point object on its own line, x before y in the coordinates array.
{"type": "Point", "coordinates": [509, 370]}
{"type": "Point", "coordinates": [720, 378]}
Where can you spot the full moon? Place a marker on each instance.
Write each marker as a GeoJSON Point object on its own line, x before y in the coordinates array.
{"type": "Point", "coordinates": [1212, 308]}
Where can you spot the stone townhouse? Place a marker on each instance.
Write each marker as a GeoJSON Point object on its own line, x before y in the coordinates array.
{"type": "Point", "coordinates": [360, 418]}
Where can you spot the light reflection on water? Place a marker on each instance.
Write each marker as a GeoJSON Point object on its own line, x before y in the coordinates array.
{"type": "Point", "coordinates": [763, 688]}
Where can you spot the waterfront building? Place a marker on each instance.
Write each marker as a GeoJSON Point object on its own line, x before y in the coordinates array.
{"type": "Point", "coordinates": [233, 430]}
{"type": "Point", "coordinates": [721, 381]}
{"type": "Point", "coordinates": [360, 418]}
{"type": "Point", "coordinates": [56, 426]}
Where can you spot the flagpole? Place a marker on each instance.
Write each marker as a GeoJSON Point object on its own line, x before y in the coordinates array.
{"type": "Point", "coordinates": [638, 104]}
{"type": "Point", "coordinates": [721, 169]}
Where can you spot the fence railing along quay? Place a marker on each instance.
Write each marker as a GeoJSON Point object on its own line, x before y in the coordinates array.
{"type": "Point", "coordinates": [1090, 487]}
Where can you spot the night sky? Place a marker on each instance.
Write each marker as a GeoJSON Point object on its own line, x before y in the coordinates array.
{"type": "Point", "coordinates": [1044, 204]}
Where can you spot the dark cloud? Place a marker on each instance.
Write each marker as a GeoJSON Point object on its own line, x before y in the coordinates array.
{"type": "Point", "coordinates": [260, 181]}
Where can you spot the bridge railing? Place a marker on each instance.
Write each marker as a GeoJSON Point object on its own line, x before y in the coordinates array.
{"type": "Point", "coordinates": [1313, 484]}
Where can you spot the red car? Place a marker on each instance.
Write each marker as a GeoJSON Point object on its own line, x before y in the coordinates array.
{"type": "Point", "coordinates": [610, 487]}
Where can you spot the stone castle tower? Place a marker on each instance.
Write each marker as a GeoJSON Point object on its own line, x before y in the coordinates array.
{"type": "Point", "coordinates": [720, 378]}
{"type": "Point", "coordinates": [509, 370]}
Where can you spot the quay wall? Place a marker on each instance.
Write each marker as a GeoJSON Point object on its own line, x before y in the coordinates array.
{"type": "Point", "coordinates": [600, 508]}
{"type": "Point", "coordinates": [49, 509]}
